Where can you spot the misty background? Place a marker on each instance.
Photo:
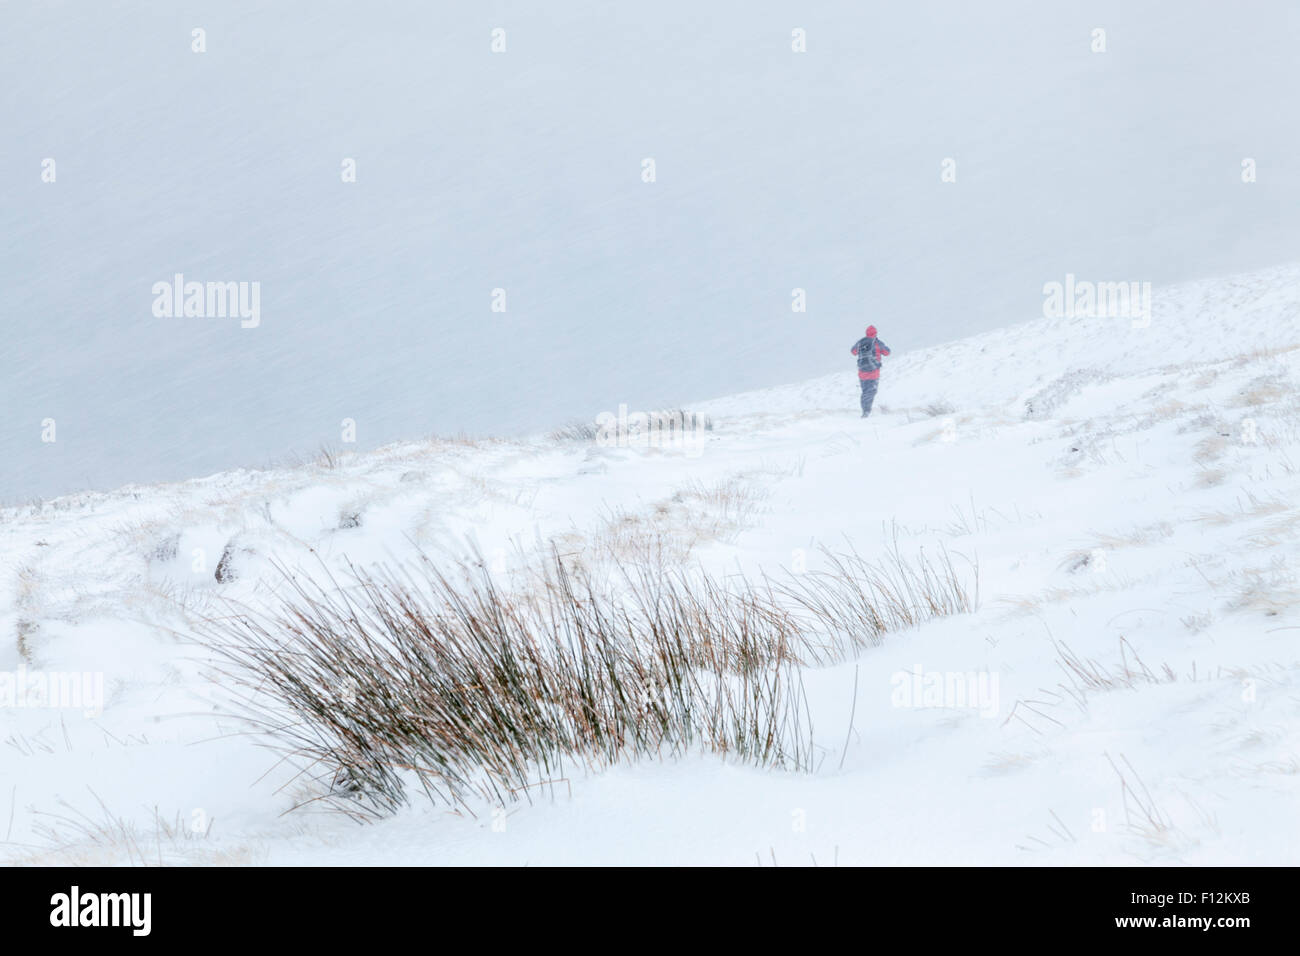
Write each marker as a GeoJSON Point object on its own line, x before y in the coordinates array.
{"type": "Point", "coordinates": [522, 170]}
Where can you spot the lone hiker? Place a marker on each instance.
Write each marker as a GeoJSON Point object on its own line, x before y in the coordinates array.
{"type": "Point", "coordinates": [869, 350]}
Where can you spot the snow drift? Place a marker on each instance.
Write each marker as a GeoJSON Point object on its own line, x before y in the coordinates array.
{"type": "Point", "coordinates": [1124, 690]}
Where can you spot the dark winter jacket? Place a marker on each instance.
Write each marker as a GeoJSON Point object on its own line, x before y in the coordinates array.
{"type": "Point", "coordinates": [868, 350]}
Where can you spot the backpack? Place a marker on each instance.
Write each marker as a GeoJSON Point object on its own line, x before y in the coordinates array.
{"type": "Point", "coordinates": [867, 361]}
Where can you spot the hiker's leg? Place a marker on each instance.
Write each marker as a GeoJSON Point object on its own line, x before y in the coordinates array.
{"type": "Point", "coordinates": [868, 396]}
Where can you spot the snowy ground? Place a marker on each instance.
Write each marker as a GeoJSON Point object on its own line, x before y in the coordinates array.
{"type": "Point", "coordinates": [1127, 491]}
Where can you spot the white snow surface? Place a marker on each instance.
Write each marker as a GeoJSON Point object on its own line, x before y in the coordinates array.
{"type": "Point", "coordinates": [1164, 455]}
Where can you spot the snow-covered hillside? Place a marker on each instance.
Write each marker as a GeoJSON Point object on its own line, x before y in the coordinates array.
{"type": "Point", "coordinates": [129, 157]}
{"type": "Point", "coordinates": [1130, 676]}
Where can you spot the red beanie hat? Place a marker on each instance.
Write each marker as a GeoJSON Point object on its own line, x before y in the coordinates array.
{"type": "Point", "coordinates": [871, 331]}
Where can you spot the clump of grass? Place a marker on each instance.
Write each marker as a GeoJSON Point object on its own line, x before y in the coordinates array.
{"type": "Point", "coordinates": [166, 548]}
{"type": "Point", "coordinates": [1093, 558]}
{"type": "Point", "coordinates": [1272, 590]}
{"type": "Point", "coordinates": [328, 457]}
{"type": "Point", "coordinates": [1079, 559]}
{"type": "Point", "coordinates": [1262, 391]}
{"type": "Point", "coordinates": [854, 602]}
{"type": "Point", "coordinates": [1276, 533]}
{"type": "Point", "coordinates": [674, 526]}
{"type": "Point", "coordinates": [575, 431]}
{"type": "Point", "coordinates": [448, 684]}
{"type": "Point", "coordinates": [1252, 507]}
{"type": "Point", "coordinates": [1086, 674]}
{"type": "Point", "coordinates": [1143, 817]}
{"type": "Point", "coordinates": [461, 439]}
{"type": "Point", "coordinates": [1210, 477]}
{"type": "Point", "coordinates": [664, 428]}
{"type": "Point", "coordinates": [939, 409]}
{"type": "Point", "coordinates": [24, 631]}
{"type": "Point", "coordinates": [684, 418]}
{"type": "Point", "coordinates": [74, 837]}
{"type": "Point", "coordinates": [1138, 537]}
{"type": "Point", "coordinates": [729, 503]}
{"type": "Point", "coordinates": [463, 690]}
{"type": "Point", "coordinates": [226, 571]}
{"type": "Point", "coordinates": [1210, 449]}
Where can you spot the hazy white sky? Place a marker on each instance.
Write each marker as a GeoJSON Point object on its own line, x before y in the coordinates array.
{"type": "Point", "coordinates": [522, 170]}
